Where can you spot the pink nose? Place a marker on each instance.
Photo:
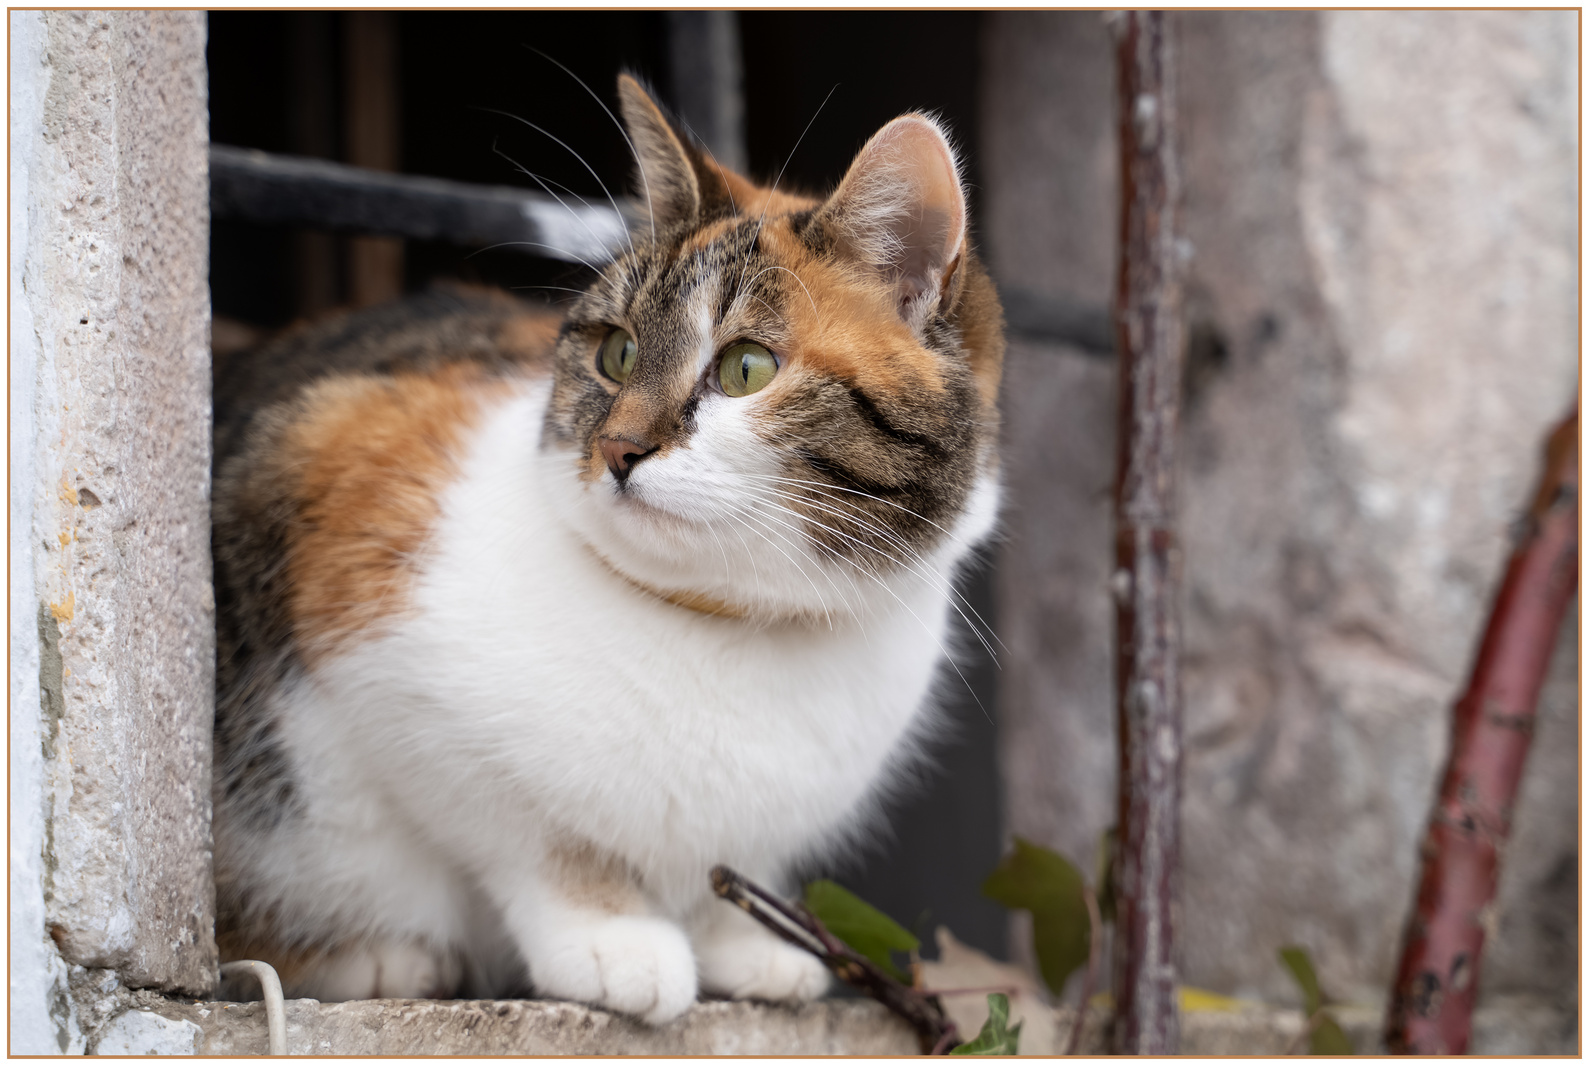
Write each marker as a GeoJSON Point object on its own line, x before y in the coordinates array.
{"type": "Point", "coordinates": [621, 455]}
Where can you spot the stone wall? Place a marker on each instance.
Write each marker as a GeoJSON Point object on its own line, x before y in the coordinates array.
{"type": "Point", "coordinates": [1382, 298]}
{"type": "Point", "coordinates": [112, 646]}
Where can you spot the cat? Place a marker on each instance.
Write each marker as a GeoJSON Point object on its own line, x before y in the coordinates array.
{"type": "Point", "coordinates": [528, 618]}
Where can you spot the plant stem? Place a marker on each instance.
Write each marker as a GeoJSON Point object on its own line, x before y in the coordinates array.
{"type": "Point", "coordinates": [1094, 948]}
{"type": "Point", "coordinates": [1147, 318]}
{"type": "Point", "coordinates": [1318, 1017]}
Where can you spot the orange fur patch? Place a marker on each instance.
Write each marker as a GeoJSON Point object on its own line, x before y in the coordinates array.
{"type": "Point", "coordinates": [847, 321]}
{"type": "Point", "coordinates": [373, 455]}
{"type": "Point", "coordinates": [531, 338]}
{"type": "Point", "coordinates": [752, 200]}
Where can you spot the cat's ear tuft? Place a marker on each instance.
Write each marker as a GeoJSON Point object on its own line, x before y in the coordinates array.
{"type": "Point", "coordinates": [669, 186]}
{"type": "Point", "coordinates": [900, 211]}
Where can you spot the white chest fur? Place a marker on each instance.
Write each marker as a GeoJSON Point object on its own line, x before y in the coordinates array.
{"type": "Point", "coordinates": [533, 693]}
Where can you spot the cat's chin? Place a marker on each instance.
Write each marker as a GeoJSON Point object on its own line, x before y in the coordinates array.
{"type": "Point", "coordinates": [673, 557]}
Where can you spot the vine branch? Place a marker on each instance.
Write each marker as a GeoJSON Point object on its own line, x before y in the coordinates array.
{"type": "Point", "coordinates": [800, 928]}
{"type": "Point", "coordinates": [1492, 725]}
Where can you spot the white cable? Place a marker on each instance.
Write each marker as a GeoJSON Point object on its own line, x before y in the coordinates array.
{"type": "Point", "coordinates": [275, 1003]}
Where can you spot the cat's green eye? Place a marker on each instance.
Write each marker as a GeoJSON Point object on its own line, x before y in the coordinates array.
{"type": "Point", "coordinates": [746, 368]}
{"type": "Point", "coordinates": [618, 355]}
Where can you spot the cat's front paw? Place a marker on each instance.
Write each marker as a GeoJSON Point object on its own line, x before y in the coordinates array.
{"type": "Point", "coordinates": [758, 965]}
{"type": "Point", "coordinates": [629, 963]}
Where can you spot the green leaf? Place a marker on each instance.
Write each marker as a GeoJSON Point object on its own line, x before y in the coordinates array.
{"type": "Point", "coordinates": [996, 1036]}
{"type": "Point", "coordinates": [1296, 960]}
{"type": "Point", "coordinates": [1045, 883]}
{"type": "Point", "coordinates": [1328, 1039]}
{"type": "Point", "coordinates": [860, 925]}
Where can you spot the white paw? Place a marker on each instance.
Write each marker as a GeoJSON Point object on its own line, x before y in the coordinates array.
{"type": "Point", "coordinates": [758, 965]}
{"type": "Point", "coordinates": [629, 963]}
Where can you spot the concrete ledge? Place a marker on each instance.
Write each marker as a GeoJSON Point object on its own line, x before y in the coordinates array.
{"type": "Point", "coordinates": [152, 1024]}
{"type": "Point", "coordinates": [544, 1027]}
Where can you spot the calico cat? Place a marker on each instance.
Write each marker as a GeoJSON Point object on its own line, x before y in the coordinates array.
{"type": "Point", "coordinates": [527, 619]}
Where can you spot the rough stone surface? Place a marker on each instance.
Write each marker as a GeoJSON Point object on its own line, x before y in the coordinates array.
{"type": "Point", "coordinates": [111, 290]}
{"type": "Point", "coordinates": [137, 1033]}
{"type": "Point", "coordinates": [1382, 303]}
{"type": "Point", "coordinates": [151, 1024]}
{"type": "Point", "coordinates": [546, 1027]}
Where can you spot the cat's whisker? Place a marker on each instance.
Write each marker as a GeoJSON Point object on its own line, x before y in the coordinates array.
{"type": "Point", "coordinates": [639, 162]}
{"type": "Point", "coordinates": [774, 190]}
{"type": "Point", "coordinates": [751, 559]}
{"type": "Point", "coordinates": [816, 592]}
{"type": "Point", "coordinates": [561, 251]}
{"type": "Point", "coordinates": [822, 489]}
{"type": "Point", "coordinates": [792, 274]}
{"type": "Point", "coordinates": [854, 586]}
{"type": "Point", "coordinates": [913, 614]}
{"type": "Point", "coordinates": [733, 207]}
{"type": "Point", "coordinates": [804, 483]}
{"type": "Point", "coordinates": [555, 288]}
{"type": "Point", "coordinates": [580, 217]}
{"type": "Point", "coordinates": [771, 310]}
{"type": "Point", "coordinates": [862, 494]}
{"type": "Point", "coordinates": [937, 580]}
{"type": "Point", "coordinates": [711, 530]}
{"type": "Point", "coordinates": [814, 563]}
{"type": "Point", "coordinates": [576, 154]}
{"type": "Point", "coordinates": [938, 586]}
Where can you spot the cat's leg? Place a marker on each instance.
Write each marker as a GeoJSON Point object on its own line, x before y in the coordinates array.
{"type": "Point", "coordinates": [740, 958]}
{"type": "Point", "coordinates": [587, 934]}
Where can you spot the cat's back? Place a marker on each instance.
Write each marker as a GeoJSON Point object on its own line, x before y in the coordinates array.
{"type": "Point", "coordinates": [418, 335]}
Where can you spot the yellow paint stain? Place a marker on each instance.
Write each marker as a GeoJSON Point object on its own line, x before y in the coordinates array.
{"type": "Point", "coordinates": [65, 538]}
{"type": "Point", "coordinates": [1196, 1000]}
{"type": "Point", "coordinates": [1190, 999]}
{"type": "Point", "coordinates": [69, 493]}
{"type": "Point", "coordinates": [63, 610]}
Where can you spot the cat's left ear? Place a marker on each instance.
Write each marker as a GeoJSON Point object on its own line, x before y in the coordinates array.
{"type": "Point", "coordinates": [900, 210]}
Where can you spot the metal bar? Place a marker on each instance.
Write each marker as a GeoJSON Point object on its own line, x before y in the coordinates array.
{"type": "Point", "coordinates": [707, 82]}
{"type": "Point", "coordinates": [370, 138]}
{"type": "Point", "coordinates": [1147, 554]}
{"type": "Point", "coordinates": [1058, 319]}
{"type": "Point", "coordinates": [282, 190]}
{"type": "Point", "coordinates": [311, 131]}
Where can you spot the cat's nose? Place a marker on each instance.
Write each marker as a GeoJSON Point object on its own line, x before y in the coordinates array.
{"type": "Point", "coordinates": [621, 455]}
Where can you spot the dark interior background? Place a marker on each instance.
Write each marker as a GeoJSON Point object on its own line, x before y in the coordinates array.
{"type": "Point", "coordinates": [275, 85]}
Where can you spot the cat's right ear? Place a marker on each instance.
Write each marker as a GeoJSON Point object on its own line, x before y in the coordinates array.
{"type": "Point", "coordinates": [667, 178]}
{"type": "Point", "coordinates": [677, 180]}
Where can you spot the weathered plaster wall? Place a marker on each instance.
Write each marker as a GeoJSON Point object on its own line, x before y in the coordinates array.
{"type": "Point", "coordinates": [112, 635]}
{"type": "Point", "coordinates": [1382, 295]}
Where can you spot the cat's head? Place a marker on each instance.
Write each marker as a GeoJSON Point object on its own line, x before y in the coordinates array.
{"type": "Point", "coordinates": [779, 405]}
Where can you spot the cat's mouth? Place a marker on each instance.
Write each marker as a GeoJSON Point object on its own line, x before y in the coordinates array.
{"type": "Point", "coordinates": [633, 498]}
